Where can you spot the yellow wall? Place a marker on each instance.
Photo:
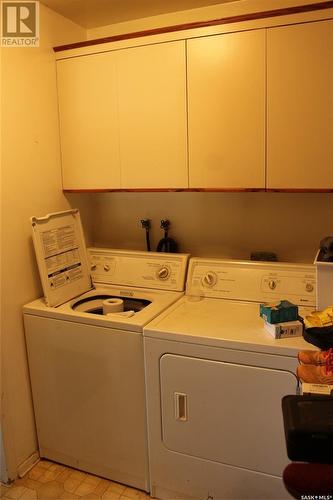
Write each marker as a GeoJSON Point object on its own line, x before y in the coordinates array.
{"type": "Point", "coordinates": [227, 225]}
{"type": "Point", "coordinates": [31, 185]}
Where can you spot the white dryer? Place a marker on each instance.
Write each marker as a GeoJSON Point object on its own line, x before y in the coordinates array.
{"type": "Point", "coordinates": [86, 367]}
{"type": "Point", "coordinates": [215, 380]}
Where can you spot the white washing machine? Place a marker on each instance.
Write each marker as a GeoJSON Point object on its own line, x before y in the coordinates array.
{"type": "Point", "coordinates": [215, 380]}
{"type": "Point", "coordinates": [86, 367]}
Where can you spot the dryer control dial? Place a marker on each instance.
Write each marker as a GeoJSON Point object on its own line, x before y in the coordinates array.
{"type": "Point", "coordinates": [272, 284]}
{"type": "Point", "coordinates": [309, 287]}
{"type": "Point", "coordinates": [209, 279]}
{"type": "Point", "coordinates": [163, 273]}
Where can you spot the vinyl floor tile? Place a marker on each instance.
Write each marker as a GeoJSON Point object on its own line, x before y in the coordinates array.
{"type": "Point", "coordinates": [15, 492]}
{"type": "Point", "coordinates": [116, 487]}
{"type": "Point", "coordinates": [110, 495]}
{"type": "Point", "coordinates": [52, 481]}
{"type": "Point", "coordinates": [131, 493]}
{"type": "Point", "coordinates": [101, 488]}
{"type": "Point", "coordinates": [68, 496]}
{"type": "Point", "coordinates": [51, 490]}
{"type": "Point", "coordinates": [29, 494]}
{"type": "Point", "coordinates": [84, 489]}
{"type": "Point", "coordinates": [71, 484]}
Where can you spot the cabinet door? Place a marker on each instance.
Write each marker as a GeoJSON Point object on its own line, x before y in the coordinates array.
{"type": "Point", "coordinates": [300, 106]}
{"type": "Point", "coordinates": [152, 116]}
{"type": "Point", "coordinates": [87, 91]}
{"type": "Point", "coordinates": [226, 100]}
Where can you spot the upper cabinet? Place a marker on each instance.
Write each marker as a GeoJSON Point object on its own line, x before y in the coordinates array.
{"type": "Point", "coordinates": [123, 118]}
{"type": "Point", "coordinates": [88, 108]}
{"type": "Point", "coordinates": [152, 116]}
{"type": "Point", "coordinates": [300, 106]}
{"type": "Point", "coordinates": [226, 106]}
{"type": "Point", "coordinates": [242, 110]}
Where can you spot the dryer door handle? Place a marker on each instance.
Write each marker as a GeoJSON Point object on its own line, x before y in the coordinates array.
{"type": "Point", "coordinates": [180, 400]}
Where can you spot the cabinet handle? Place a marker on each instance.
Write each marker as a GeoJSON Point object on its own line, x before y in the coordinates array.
{"type": "Point", "coordinates": [180, 406]}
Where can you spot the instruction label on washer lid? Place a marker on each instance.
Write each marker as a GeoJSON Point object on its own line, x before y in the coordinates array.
{"type": "Point", "coordinates": [61, 256]}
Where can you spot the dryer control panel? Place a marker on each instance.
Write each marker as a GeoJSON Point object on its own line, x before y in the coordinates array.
{"type": "Point", "coordinates": [252, 281]}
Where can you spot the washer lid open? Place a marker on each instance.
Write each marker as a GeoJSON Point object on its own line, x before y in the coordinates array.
{"type": "Point", "coordinates": [61, 256]}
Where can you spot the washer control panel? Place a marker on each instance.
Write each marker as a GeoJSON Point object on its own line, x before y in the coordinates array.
{"type": "Point", "coordinates": [252, 281]}
{"type": "Point", "coordinates": [140, 269]}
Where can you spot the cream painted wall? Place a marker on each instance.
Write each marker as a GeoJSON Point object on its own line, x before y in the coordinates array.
{"type": "Point", "coordinates": [188, 16]}
{"type": "Point", "coordinates": [31, 185]}
{"type": "Point", "coordinates": [227, 225]}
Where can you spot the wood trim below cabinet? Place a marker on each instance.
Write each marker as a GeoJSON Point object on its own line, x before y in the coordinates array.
{"type": "Point", "coordinates": [200, 190]}
{"type": "Point", "coordinates": [299, 190]}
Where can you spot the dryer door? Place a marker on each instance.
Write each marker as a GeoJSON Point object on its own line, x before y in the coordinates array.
{"type": "Point", "coordinates": [224, 412]}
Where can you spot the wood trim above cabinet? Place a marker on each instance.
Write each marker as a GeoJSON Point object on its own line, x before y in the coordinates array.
{"type": "Point", "coordinates": [298, 9]}
{"type": "Point", "coordinates": [200, 190]}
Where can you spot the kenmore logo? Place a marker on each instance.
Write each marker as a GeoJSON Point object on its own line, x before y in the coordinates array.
{"type": "Point", "coordinates": [126, 293]}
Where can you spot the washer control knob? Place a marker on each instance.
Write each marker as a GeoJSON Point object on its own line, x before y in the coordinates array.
{"type": "Point", "coordinates": [93, 267]}
{"type": "Point", "coordinates": [272, 284]}
{"type": "Point", "coordinates": [163, 273]}
{"type": "Point", "coordinates": [209, 279]}
{"type": "Point", "coordinates": [309, 287]}
{"type": "Point", "coordinates": [106, 267]}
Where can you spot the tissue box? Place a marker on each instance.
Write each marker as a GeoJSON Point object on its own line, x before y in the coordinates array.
{"type": "Point", "coordinates": [285, 330]}
{"type": "Point", "coordinates": [279, 312]}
